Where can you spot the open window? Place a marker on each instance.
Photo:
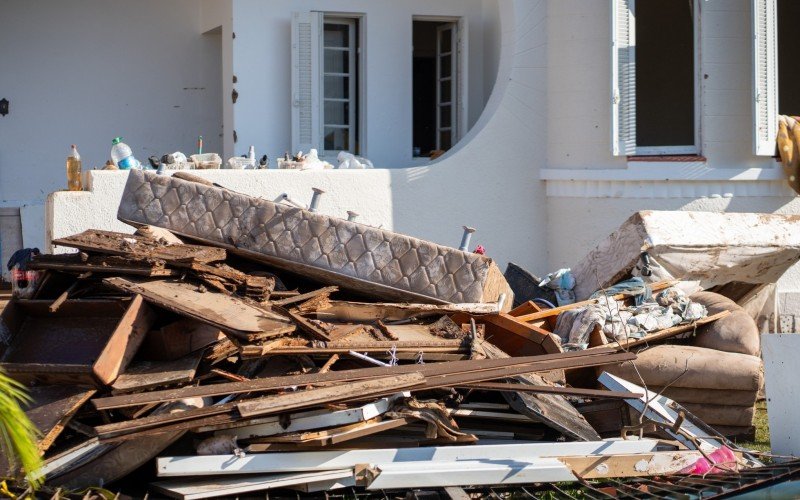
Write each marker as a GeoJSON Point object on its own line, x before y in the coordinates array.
{"type": "Point", "coordinates": [327, 83]}
{"type": "Point", "coordinates": [654, 80]}
{"type": "Point", "coordinates": [438, 86]}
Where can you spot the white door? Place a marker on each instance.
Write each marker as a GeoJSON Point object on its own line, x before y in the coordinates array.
{"type": "Point", "coordinates": [339, 86]}
{"type": "Point", "coordinates": [446, 86]}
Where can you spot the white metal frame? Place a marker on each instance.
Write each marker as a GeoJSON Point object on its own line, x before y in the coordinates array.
{"type": "Point", "coordinates": [617, 149]}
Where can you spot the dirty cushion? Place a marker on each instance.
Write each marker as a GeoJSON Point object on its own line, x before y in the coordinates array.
{"type": "Point", "coordinates": [736, 332]}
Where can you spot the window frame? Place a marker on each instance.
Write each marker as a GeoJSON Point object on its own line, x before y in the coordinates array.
{"type": "Point", "coordinates": [623, 85]}
{"type": "Point", "coordinates": [764, 71]}
{"type": "Point", "coordinates": [352, 75]}
{"type": "Point", "coordinates": [307, 81]}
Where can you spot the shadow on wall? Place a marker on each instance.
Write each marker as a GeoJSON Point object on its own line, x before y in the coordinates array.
{"type": "Point", "coordinates": [490, 179]}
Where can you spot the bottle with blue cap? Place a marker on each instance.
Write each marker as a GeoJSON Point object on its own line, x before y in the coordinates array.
{"type": "Point", "coordinates": [122, 156]}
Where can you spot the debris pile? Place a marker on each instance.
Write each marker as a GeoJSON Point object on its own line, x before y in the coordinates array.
{"type": "Point", "coordinates": [248, 345]}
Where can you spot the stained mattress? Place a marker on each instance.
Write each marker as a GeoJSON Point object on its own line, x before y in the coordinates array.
{"type": "Point", "coordinates": [352, 255]}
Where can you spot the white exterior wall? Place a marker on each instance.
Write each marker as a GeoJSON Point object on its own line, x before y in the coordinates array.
{"type": "Point", "coordinates": [480, 183]}
{"type": "Point", "coordinates": [262, 63]}
{"type": "Point", "coordinates": [85, 71]}
{"type": "Point", "coordinates": [590, 192]}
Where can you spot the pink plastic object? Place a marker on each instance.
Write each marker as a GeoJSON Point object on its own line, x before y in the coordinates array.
{"type": "Point", "coordinates": [723, 456]}
{"type": "Point", "coordinates": [480, 250]}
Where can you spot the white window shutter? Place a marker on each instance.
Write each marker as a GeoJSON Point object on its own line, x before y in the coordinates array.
{"type": "Point", "coordinates": [765, 76]}
{"type": "Point", "coordinates": [306, 71]}
{"type": "Point", "coordinates": [623, 77]}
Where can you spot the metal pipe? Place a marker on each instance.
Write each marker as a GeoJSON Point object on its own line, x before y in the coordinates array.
{"type": "Point", "coordinates": [351, 216]}
{"type": "Point", "coordinates": [315, 199]}
{"type": "Point", "coordinates": [285, 197]}
{"type": "Point", "coordinates": [465, 238]}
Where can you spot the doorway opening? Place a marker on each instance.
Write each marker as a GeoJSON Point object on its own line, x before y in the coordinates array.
{"type": "Point", "coordinates": [435, 86]}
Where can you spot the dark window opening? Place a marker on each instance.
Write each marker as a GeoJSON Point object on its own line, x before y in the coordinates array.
{"type": "Point", "coordinates": [788, 54]}
{"type": "Point", "coordinates": [434, 86]}
{"type": "Point", "coordinates": [665, 114]}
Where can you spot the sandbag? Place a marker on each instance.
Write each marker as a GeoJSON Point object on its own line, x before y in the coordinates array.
{"type": "Point", "coordinates": [736, 332]}
{"type": "Point", "coordinates": [705, 368]}
{"type": "Point", "coordinates": [736, 416]}
{"type": "Point", "coordinates": [685, 395]}
{"type": "Point", "coordinates": [747, 433]}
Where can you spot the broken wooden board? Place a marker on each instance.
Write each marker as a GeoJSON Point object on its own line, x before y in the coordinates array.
{"type": "Point", "coordinates": [553, 410]}
{"type": "Point", "coordinates": [513, 335]}
{"type": "Point", "coordinates": [532, 363]}
{"type": "Point", "coordinates": [178, 339]}
{"type": "Point", "coordinates": [324, 248]}
{"type": "Point", "coordinates": [368, 312]}
{"type": "Point", "coordinates": [230, 314]}
{"type": "Point", "coordinates": [139, 247]}
{"type": "Point", "coordinates": [149, 374]}
{"type": "Point", "coordinates": [325, 395]}
{"type": "Point", "coordinates": [85, 342]}
{"type": "Point", "coordinates": [52, 407]}
{"type": "Point", "coordinates": [666, 333]}
{"type": "Point", "coordinates": [101, 264]}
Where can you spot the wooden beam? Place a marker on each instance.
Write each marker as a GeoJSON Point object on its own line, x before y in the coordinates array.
{"type": "Point", "coordinates": [547, 389]}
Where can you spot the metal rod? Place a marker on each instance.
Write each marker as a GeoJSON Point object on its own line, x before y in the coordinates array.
{"type": "Point", "coordinates": [465, 238]}
{"type": "Point", "coordinates": [285, 197]}
{"type": "Point", "coordinates": [315, 199]}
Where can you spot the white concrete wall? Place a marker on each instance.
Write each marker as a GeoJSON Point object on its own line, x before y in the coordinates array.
{"type": "Point", "coordinates": [590, 192]}
{"type": "Point", "coordinates": [85, 71]}
{"type": "Point", "coordinates": [262, 62]}
{"type": "Point", "coordinates": [479, 183]}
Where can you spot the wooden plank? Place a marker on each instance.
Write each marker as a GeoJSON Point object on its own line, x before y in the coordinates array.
{"type": "Point", "coordinates": [665, 333]}
{"type": "Point", "coordinates": [304, 324]}
{"type": "Point", "coordinates": [289, 381]}
{"type": "Point", "coordinates": [513, 335]}
{"type": "Point", "coordinates": [52, 407]}
{"type": "Point", "coordinates": [149, 374]}
{"type": "Point", "coordinates": [554, 410]}
{"type": "Point", "coordinates": [230, 314]}
{"type": "Point", "coordinates": [547, 389]}
{"type": "Point", "coordinates": [546, 313]}
{"type": "Point", "coordinates": [305, 296]}
{"type": "Point", "coordinates": [632, 465]}
{"type": "Point", "coordinates": [221, 413]}
{"type": "Point", "coordinates": [139, 247]}
{"type": "Point", "coordinates": [357, 312]}
{"type": "Point", "coordinates": [101, 264]}
{"type": "Point", "coordinates": [315, 419]}
{"type": "Point", "coordinates": [292, 401]}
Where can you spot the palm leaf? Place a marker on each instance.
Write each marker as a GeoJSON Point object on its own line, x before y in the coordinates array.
{"type": "Point", "coordinates": [18, 435]}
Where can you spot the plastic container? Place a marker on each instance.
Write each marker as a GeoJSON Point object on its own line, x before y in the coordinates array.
{"type": "Point", "coordinates": [122, 156]}
{"type": "Point", "coordinates": [206, 161]}
{"type": "Point", "coordinates": [74, 170]}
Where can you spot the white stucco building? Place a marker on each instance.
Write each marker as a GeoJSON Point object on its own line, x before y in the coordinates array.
{"type": "Point", "coordinates": [561, 117]}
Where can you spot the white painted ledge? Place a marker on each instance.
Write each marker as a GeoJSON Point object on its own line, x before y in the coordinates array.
{"type": "Point", "coordinates": [666, 180]}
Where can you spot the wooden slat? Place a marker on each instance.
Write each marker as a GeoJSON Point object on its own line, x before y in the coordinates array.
{"type": "Point", "coordinates": [663, 334]}
{"type": "Point", "coordinates": [547, 389]}
{"type": "Point", "coordinates": [269, 405]}
{"type": "Point", "coordinates": [315, 378]}
{"type": "Point", "coordinates": [655, 287]}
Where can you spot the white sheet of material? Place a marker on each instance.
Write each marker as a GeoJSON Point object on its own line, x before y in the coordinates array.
{"type": "Point", "coordinates": [780, 352]}
{"type": "Point", "coordinates": [708, 247]}
{"type": "Point", "coordinates": [267, 463]}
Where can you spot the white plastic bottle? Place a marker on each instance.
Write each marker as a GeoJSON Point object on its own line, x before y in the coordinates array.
{"type": "Point", "coordinates": [122, 156]}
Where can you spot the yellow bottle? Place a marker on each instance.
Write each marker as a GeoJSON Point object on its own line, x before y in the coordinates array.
{"type": "Point", "coordinates": [74, 170]}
